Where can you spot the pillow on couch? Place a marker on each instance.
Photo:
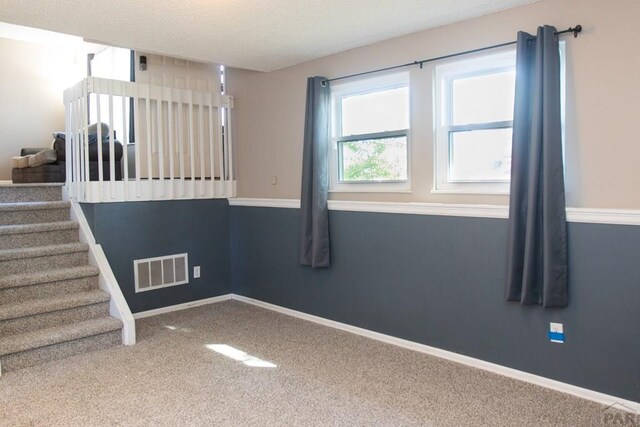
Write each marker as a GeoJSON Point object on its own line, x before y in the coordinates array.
{"type": "Point", "coordinates": [44, 157]}
{"type": "Point", "coordinates": [92, 132]}
{"type": "Point", "coordinates": [20, 162]}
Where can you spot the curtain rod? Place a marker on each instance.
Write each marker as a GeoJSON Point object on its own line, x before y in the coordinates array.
{"type": "Point", "coordinates": [574, 30]}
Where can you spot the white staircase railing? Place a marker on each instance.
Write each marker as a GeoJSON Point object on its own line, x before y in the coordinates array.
{"type": "Point", "coordinates": [182, 143]}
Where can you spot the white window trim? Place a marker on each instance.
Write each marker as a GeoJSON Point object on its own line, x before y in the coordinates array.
{"type": "Point", "coordinates": [359, 87]}
{"type": "Point", "coordinates": [443, 76]}
{"type": "Point", "coordinates": [441, 139]}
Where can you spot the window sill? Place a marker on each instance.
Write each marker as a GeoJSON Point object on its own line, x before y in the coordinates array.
{"type": "Point", "coordinates": [471, 191]}
{"type": "Point", "coordinates": [369, 190]}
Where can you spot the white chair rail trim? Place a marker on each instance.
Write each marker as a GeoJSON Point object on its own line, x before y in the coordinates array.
{"type": "Point", "coordinates": [583, 215]}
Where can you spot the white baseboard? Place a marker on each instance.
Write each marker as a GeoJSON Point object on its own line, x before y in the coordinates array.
{"type": "Point", "coordinates": [184, 306]}
{"type": "Point", "coordinates": [583, 393]}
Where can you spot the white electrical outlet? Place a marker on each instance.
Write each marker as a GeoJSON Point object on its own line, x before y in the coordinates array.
{"type": "Point", "coordinates": [556, 332]}
{"type": "Point", "coordinates": [274, 180]}
{"type": "Point", "coordinates": [196, 272]}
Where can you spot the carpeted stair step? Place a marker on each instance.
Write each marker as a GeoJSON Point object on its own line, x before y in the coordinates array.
{"type": "Point", "coordinates": [46, 284]}
{"type": "Point", "coordinates": [31, 315]}
{"type": "Point", "coordinates": [29, 349]}
{"type": "Point", "coordinates": [10, 193]}
{"type": "Point", "coordinates": [33, 212]}
{"type": "Point", "coordinates": [30, 235]}
{"type": "Point", "coordinates": [31, 260]}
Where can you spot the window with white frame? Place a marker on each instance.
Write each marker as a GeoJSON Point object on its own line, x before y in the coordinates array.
{"type": "Point", "coordinates": [112, 63]}
{"type": "Point", "coordinates": [370, 129]}
{"type": "Point", "coordinates": [474, 122]}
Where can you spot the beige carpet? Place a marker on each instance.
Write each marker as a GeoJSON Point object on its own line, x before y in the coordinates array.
{"type": "Point", "coordinates": [322, 377]}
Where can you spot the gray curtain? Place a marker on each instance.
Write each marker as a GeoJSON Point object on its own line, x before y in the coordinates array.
{"type": "Point", "coordinates": [537, 246]}
{"type": "Point", "coordinates": [314, 224]}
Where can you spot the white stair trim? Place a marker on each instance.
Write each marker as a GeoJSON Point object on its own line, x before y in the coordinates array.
{"type": "Point", "coordinates": [118, 306]}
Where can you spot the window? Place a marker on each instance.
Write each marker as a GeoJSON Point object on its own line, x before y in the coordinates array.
{"type": "Point", "coordinates": [113, 63]}
{"type": "Point", "coordinates": [370, 129]}
{"type": "Point", "coordinates": [474, 121]}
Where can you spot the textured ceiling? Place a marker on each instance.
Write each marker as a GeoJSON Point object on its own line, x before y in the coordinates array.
{"type": "Point", "coordinates": [260, 35]}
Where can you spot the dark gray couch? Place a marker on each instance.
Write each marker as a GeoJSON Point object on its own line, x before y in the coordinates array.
{"type": "Point", "coordinates": [56, 172]}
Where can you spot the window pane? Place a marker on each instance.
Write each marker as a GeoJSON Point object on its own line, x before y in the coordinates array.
{"type": "Point", "coordinates": [380, 111]}
{"type": "Point", "coordinates": [486, 98]}
{"type": "Point", "coordinates": [373, 160]}
{"type": "Point", "coordinates": [480, 155]}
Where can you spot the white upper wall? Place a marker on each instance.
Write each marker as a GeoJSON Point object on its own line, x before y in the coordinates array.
{"type": "Point", "coordinates": [37, 66]}
{"type": "Point", "coordinates": [32, 79]}
{"type": "Point", "coordinates": [603, 65]}
{"type": "Point", "coordinates": [259, 35]}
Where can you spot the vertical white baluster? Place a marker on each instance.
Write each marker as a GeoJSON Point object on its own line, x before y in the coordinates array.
{"type": "Point", "coordinates": [86, 186]}
{"type": "Point", "coordinates": [76, 149]}
{"type": "Point", "coordinates": [181, 142]}
{"type": "Point", "coordinates": [80, 143]}
{"type": "Point", "coordinates": [170, 141]}
{"type": "Point", "coordinates": [229, 150]}
{"type": "Point", "coordinates": [112, 160]}
{"type": "Point", "coordinates": [201, 147]}
{"type": "Point", "coordinates": [99, 142]}
{"type": "Point", "coordinates": [149, 154]}
{"type": "Point", "coordinates": [159, 132]}
{"type": "Point", "coordinates": [221, 138]}
{"type": "Point", "coordinates": [136, 131]}
{"type": "Point", "coordinates": [75, 158]}
{"type": "Point", "coordinates": [71, 138]}
{"type": "Point", "coordinates": [192, 163]}
{"type": "Point", "coordinates": [125, 139]}
{"type": "Point", "coordinates": [67, 167]}
{"type": "Point", "coordinates": [73, 154]}
{"type": "Point", "coordinates": [67, 144]}
{"type": "Point", "coordinates": [211, 146]}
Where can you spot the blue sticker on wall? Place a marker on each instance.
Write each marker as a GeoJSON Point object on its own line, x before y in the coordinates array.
{"type": "Point", "coordinates": [556, 337]}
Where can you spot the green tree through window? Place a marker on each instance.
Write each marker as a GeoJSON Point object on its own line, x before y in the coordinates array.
{"type": "Point", "coordinates": [375, 159]}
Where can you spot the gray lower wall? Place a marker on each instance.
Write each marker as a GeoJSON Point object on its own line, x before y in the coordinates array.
{"type": "Point", "coordinates": [136, 230]}
{"type": "Point", "coordinates": [440, 281]}
{"type": "Point", "coordinates": [433, 280]}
